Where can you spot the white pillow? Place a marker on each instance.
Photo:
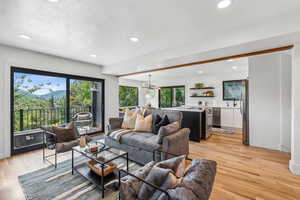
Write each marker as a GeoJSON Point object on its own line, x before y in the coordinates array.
{"type": "Point", "coordinates": [129, 119]}
{"type": "Point", "coordinates": [143, 124]}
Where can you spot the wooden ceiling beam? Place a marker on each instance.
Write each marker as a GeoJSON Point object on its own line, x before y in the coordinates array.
{"type": "Point", "coordinates": [255, 53]}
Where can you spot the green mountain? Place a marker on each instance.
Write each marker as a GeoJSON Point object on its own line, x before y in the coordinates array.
{"type": "Point", "coordinates": [25, 93]}
{"type": "Point", "coordinates": [56, 94]}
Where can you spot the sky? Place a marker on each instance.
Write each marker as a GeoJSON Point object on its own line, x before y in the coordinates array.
{"type": "Point", "coordinates": [57, 82]}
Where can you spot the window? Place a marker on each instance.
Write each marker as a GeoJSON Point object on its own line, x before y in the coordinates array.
{"type": "Point", "coordinates": [42, 98]}
{"type": "Point", "coordinates": [172, 96]}
{"type": "Point", "coordinates": [232, 90]}
{"type": "Point", "coordinates": [128, 96]}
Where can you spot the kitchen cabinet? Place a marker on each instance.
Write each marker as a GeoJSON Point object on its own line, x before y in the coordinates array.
{"type": "Point", "coordinates": [227, 117]}
{"type": "Point", "coordinates": [231, 117]}
{"type": "Point", "coordinates": [238, 120]}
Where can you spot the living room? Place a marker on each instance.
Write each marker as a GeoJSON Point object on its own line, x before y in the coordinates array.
{"type": "Point", "coordinates": [62, 64]}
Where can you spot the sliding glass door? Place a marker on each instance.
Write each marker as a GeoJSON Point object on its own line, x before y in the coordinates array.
{"type": "Point", "coordinates": [50, 99]}
{"type": "Point", "coordinates": [38, 100]}
{"type": "Point", "coordinates": [84, 99]}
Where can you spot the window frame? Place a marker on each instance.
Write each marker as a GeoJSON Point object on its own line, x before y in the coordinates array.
{"type": "Point", "coordinates": [138, 98]}
{"type": "Point", "coordinates": [172, 93]}
{"type": "Point", "coordinates": [68, 77]}
{"type": "Point", "coordinates": [223, 89]}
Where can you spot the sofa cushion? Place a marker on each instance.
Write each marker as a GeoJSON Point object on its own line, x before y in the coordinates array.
{"type": "Point", "coordinates": [143, 124]}
{"type": "Point", "coordinates": [159, 122]}
{"type": "Point", "coordinates": [199, 177]}
{"type": "Point", "coordinates": [143, 140]}
{"type": "Point", "coordinates": [66, 146]}
{"type": "Point", "coordinates": [130, 186]}
{"type": "Point", "coordinates": [176, 164]}
{"type": "Point", "coordinates": [160, 177]}
{"type": "Point", "coordinates": [179, 193]}
{"type": "Point", "coordinates": [129, 119]}
{"type": "Point", "coordinates": [173, 115]}
{"type": "Point", "coordinates": [65, 134]}
{"type": "Point", "coordinates": [167, 130]}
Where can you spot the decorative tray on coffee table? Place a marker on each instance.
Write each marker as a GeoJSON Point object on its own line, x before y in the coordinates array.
{"type": "Point", "coordinates": [96, 167]}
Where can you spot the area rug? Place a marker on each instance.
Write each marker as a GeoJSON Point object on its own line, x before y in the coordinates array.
{"type": "Point", "coordinates": [59, 184]}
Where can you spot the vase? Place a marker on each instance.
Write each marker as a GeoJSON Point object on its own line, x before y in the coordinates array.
{"type": "Point", "coordinates": [82, 142]}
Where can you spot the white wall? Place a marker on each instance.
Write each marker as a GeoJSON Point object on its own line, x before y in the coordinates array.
{"type": "Point", "coordinates": [269, 101]}
{"type": "Point", "coordinates": [286, 102]}
{"type": "Point", "coordinates": [10, 56]}
{"type": "Point", "coordinates": [295, 138]}
{"type": "Point", "coordinates": [208, 80]}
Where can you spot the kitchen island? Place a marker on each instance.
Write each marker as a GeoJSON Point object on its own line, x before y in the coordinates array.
{"type": "Point", "coordinates": [197, 120]}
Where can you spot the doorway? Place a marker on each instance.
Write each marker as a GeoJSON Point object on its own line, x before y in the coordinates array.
{"type": "Point", "coordinates": [40, 98]}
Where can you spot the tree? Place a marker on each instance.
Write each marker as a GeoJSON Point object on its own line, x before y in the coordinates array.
{"type": "Point", "coordinates": [24, 97]}
{"type": "Point", "coordinates": [165, 97]}
{"type": "Point", "coordinates": [128, 96]}
{"type": "Point", "coordinates": [81, 95]}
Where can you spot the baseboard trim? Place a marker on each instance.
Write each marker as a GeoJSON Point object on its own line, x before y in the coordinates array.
{"type": "Point", "coordinates": [294, 167]}
{"type": "Point", "coordinates": [284, 148]}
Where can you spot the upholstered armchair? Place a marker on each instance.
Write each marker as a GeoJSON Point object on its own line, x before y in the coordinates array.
{"type": "Point", "coordinates": [51, 142]}
{"type": "Point", "coordinates": [195, 181]}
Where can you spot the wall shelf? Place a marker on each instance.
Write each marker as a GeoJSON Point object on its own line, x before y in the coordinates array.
{"type": "Point", "coordinates": [202, 96]}
{"type": "Point", "coordinates": [204, 88]}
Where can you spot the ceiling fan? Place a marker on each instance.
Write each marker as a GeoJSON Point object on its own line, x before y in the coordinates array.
{"type": "Point", "coordinates": [149, 86]}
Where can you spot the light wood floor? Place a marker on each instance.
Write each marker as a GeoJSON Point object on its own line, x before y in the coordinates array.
{"type": "Point", "coordinates": [244, 173]}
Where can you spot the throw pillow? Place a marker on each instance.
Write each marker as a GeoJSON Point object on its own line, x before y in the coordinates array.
{"type": "Point", "coordinates": [176, 164]}
{"type": "Point", "coordinates": [159, 122]}
{"type": "Point", "coordinates": [129, 119]}
{"type": "Point", "coordinates": [65, 134]}
{"type": "Point", "coordinates": [181, 193]}
{"type": "Point", "coordinates": [199, 177]}
{"type": "Point", "coordinates": [130, 186]}
{"type": "Point", "coordinates": [143, 124]}
{"type": "Point", "coordinates": [167, 130]}
{"type": "Point", "coordinates": [162, 178]}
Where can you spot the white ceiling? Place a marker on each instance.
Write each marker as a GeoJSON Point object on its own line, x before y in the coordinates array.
{"type": "Point", "coordinates": [210, 71]}
{"type": "Point", "coordinates": [167, 29]}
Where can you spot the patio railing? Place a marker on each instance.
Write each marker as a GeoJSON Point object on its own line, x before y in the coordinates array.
{"type": "Point", "coordinates": [35, 118]}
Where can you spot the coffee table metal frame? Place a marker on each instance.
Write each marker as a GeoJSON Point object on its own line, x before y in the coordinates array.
{"type": "Point", "coordinates": [84, 170]}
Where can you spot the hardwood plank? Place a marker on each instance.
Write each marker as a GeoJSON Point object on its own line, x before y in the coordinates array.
{"type": "Point", "coordinates": [244, 173]}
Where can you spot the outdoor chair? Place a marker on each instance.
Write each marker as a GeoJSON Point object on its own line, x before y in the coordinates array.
{"type": "Point", "coordinates": [82, 119]}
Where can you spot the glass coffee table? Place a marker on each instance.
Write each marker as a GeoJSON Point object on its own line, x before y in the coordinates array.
{"type": "Point", "coordinates": [107, 155]}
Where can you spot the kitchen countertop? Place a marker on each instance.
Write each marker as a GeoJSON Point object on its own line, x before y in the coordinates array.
{"type": "Point", "coordinates": [185, 109]}
{"type": "Point", "coordinates": [199, 109]}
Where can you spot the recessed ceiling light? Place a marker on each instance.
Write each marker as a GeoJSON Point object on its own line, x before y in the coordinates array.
{"type": "Point", "coordinates": [26, 37]}
{"type": "Point", "coordinates": [54, 1]}
{"type": "Point", "coordinates": [200, 72]}
{"type": "Point", "coordinates": [93, 55]}
{"type": "Point", "coordinates": [134, 39]}
{"type": "Point", "coordinates": [234, 67]}
{"type": "Point", "coordinates": [224, 3]}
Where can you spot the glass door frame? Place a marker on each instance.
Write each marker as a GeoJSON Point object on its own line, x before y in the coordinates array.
{"type": "Point", "coordinates": [68, 77]}
{"type": "Point", "coordinates": [172, 93]}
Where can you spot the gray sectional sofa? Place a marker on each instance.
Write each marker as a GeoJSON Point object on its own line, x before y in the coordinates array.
{"type": "Point", "coordinates": [141, 145]}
